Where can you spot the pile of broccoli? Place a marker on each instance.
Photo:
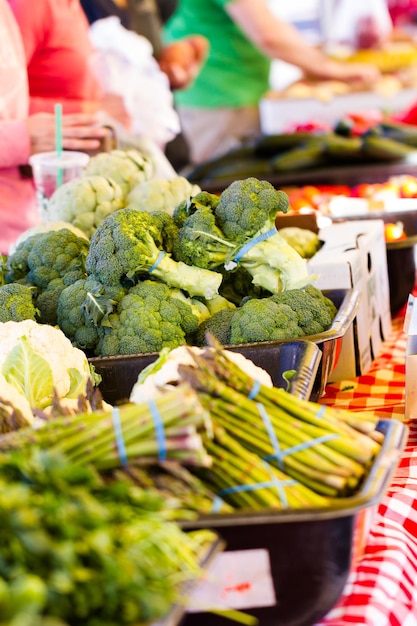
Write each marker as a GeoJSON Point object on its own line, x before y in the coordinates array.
{"type": "Point", "coordinates": [148, 280]}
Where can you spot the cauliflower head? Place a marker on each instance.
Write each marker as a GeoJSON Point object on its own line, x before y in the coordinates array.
{"type": "Point", "coordinates": [161, 195]}
{"type": "Point", "coordinates": [38, 359]}
{"type": "Point", "coordinates": [85, 202]}
{"type": "Point", "coordinates": [127, 168]}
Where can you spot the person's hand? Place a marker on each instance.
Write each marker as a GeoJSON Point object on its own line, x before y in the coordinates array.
{"type": "Point", "coordinates": [112, 104]}
{"type": "Point", "coordinates": [361, 73]}
{"type": "Point", "coordinates": [79, 132]}
{"type": "Point", "coordinates": [182, 60]}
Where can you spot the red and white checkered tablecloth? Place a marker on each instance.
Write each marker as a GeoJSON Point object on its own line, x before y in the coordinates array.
{"type": "Point", "coordinates": [382, 586]}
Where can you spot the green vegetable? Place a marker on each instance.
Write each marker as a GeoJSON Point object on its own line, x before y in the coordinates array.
{"type": "Point", "coordinates": [248, 207]}
{"type": "Point", "coordinates": [218, 325]}
{"type": "Point", "coordinates": [16, 303]}
{"type": "Point", "coordinates": [148, 318]}
{"type": "Point", "coordinates": [49, 261]}
{"type": "Point", "coordinates": [127, 168]}
{"type": "Point", "coordinates": [304, 241]}
{"type": "Point", "coordinates": [85, 202]}
{"type": "Point", "coordinates": [263, 320]}
{"type": "Point", "coordinates": [76, 549]}
{"type": "Point", "coordinates": [45, 227]}
{"type": "Point", "coordinates": [83, 306]}
{"type": "Point", "coordinates": [130, 245]}
{"type": "Point", "coordinates": [160, 194]}
{"type": "Point", "coordinates": [190, 205]}
{"type": "Point", "coordinates": [312, 310]}
{"type": "Point", "coordinates": [37, 359]}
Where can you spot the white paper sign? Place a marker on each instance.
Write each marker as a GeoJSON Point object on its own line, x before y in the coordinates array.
{"type": "Point", "coordinates": [238, 579]}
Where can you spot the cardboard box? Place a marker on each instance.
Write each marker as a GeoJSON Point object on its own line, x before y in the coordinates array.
{"type": "Point", "coordinates": [354, 256]}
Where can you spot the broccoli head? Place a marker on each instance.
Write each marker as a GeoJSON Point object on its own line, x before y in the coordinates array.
{"type": "Point", "coordinates": [313, 311]}
{"type": "Point", "coordinates": [263, 320]}
{"type": "Point", "coordinates": [127, 168]}
{"type": "Point", "coordinates": [131, 245]}
{"type": "Point", "coordinates": [189, 206]}
{"type": "Point", "coordinates": [147, 319]}
{"type": "Point", "coordinates": [248, 207]}
{"type": "Point", "coordinates": [200, 241]}
{"type": "Point", "coordinates": [85, 202]}
{"type": "Point", "coordinates": [16, 265]}
{"type": "Point", "coordinates": [49, 261]}
{"type": "Point", "coordinates": [16, 303]}
{"type": "Point", "coordinates": [219, 325]}
{"type": "Point", "coordinates": [82, 307]}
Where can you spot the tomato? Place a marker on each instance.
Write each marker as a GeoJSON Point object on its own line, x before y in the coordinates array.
{"type": "Point", "coordinates": [394, 232]}
{"type": "Point", "coordinates": [408, 187]}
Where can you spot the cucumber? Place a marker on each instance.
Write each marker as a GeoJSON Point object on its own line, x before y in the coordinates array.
{"type": "Point", "coordinates": [404, 133]}
{"type": "Point", "coordinates": [385, 149]}
{"type": "Point", "coordinates": [344, 148]}
{"type": "Point", "coordinates": [204, 170]}
{"type": "Point", "coordinates": [240, 170]}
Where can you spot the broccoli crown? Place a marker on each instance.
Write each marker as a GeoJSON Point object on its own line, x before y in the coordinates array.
{"type": "Point", "coordinates": [82, 307]}
{"type": "Point", "coordinates": [55, 254]}
{"type": "Point", "coordinates": [127, 243]}
{"type": "Point", "coordinates": [237, 285]}
{"type": "Point", "coordinates": [249, 206]}
{"type": "Point", "coordinates": [311, 308]}
{"type": "Point", "coordinates": [263, 320]}
{"type": "Point", "coordinates": [219, 325]}
{"type": "Point", "coordinates": [191, 205]}
{"type": "Point", "coordinates": [200, 241]}
{"type": "Point", "coordinates": [147, 320]}
{"type": "Point", "coordinates": [127, 168]}
{"type": "Point", "coordinates": [17, 267]}
{"type": "Point", "coordinates": [16, 303]}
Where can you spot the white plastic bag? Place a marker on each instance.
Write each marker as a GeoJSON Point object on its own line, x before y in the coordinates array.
{"type": "Point", "coordinates": [124, 65]}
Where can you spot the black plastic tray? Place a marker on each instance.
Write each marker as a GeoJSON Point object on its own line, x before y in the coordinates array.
{"type": "Point", "coordinates": [310, 551]}
{"type": "Point", "coordinates": [313, 366]}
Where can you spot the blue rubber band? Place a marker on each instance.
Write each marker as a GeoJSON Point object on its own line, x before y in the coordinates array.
{"type": "Point", "coordinates": [278, 454]}
{"type": "Point", "coordinates": [157, 262]}
{"type": "Point", "coordinates": [159, 430]}
{"type": "Point", "coordinates": [255, 390]}
{"type": "Point", "coordinates": [217, 504]}
{"type": "Point", "coordinates": [301, 446]}
{"type": "Point", "coordinates": [244, 249]}
{"type": "Point", "coordinates": [120, 442]}
{"type": "Point", "coordinates": [320, 413]}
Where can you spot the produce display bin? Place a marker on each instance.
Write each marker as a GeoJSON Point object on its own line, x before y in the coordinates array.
{"type": "Point", "coordinates": [120, 373]}
{"type": "Point", "coordinates": [310, 551]}
{"type": "Point", "coordinates": [312, 358]}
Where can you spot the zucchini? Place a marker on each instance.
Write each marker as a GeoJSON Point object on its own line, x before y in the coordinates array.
{"type": "Point", "coordinates": [344, 148]}
{"type": "Point", "coordinates": [385, 149]}
{"type": "Point", "coordinates": [404, 133]}
{"type": "Point", "coordinates": [300, 158]}
{"type": "Point", "coordinates": [204, 170]}
{"type": "Point", "coordinates": [240, 170]}
{"type": "Point", "coordinates": [270, 145]}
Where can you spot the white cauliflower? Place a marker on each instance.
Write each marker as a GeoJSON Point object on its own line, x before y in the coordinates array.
{"type": "Point", "coordinates": [127, 167]}
{"type": "Point", "coordinates": [163, 373]}
{"type": "Point", "coordinates": [11, 398]}
{"type": "Point", "coordinates": [37, 359]}
{"type": "Point", "coordinates": [161, 195]}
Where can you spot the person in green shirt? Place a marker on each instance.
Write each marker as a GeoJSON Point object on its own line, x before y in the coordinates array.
{"type": "Point", "coordinates": [219, 108]}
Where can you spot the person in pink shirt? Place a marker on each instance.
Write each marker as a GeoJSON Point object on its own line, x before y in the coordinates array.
{"type": "Point", "coordinates": [59, 54]}
{"type": "Point", "coordinates": [22, 135]}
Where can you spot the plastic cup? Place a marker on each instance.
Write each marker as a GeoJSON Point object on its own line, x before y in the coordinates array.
{"type": "Point", "coordinates": [51, 169]}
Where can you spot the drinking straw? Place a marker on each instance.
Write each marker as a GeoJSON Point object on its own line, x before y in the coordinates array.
{"type": "Point", "coordinates": [58, 141]}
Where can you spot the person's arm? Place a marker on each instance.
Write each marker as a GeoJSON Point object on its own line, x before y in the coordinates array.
{"type": "Point", "coordinates": [279, 40]}
{"type": "Point", "coordinates": [14, 142]}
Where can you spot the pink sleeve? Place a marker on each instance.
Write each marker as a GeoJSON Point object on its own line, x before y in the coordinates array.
{"type": "Point", "coordinates": [33, 23]}
{"type": "Point", "coordinates": [14, 134]}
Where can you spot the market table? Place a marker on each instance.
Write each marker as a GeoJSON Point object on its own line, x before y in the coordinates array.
{"type": "Point", "coordinates": [382, 587]}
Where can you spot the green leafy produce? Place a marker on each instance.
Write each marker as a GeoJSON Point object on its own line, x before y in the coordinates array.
{"type": "Point", "coordinates": [147, 319]}
{"type": "Point", "coordinates": [44, 227]}
{"type": "Point", "coordinates": [38, 360]}
{"type": "Point", "coordinates": [16, 303]}
{"type": "Point", "coordinates": [48, 261]}
{"type": "Point", "coordinates": [304, 241]}
{"type": "Point", "coordinates": [190, 205]}
{"type": "Point", "coordinates": [314, 312]}
{"type": "Point", "coordinates": [127, 168]}
{"type": "Point", "coordinates": [85, 202]}
{"type": "Point", "coordinates": [263, 320]}
{"type": "Point", "coordinates": [77, 551]}
{"type": "Point", "coordinates": [218, 325]}
{"type": "Point", "coordinates": [129, 245]}
{"type": "Point", "coordinates": [161, 195]}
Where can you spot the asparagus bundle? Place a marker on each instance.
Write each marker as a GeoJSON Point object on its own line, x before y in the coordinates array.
{"type": "Point", "coordinates": [167, 428]}
{"type": "Point", "coordinates": [325, 449]}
